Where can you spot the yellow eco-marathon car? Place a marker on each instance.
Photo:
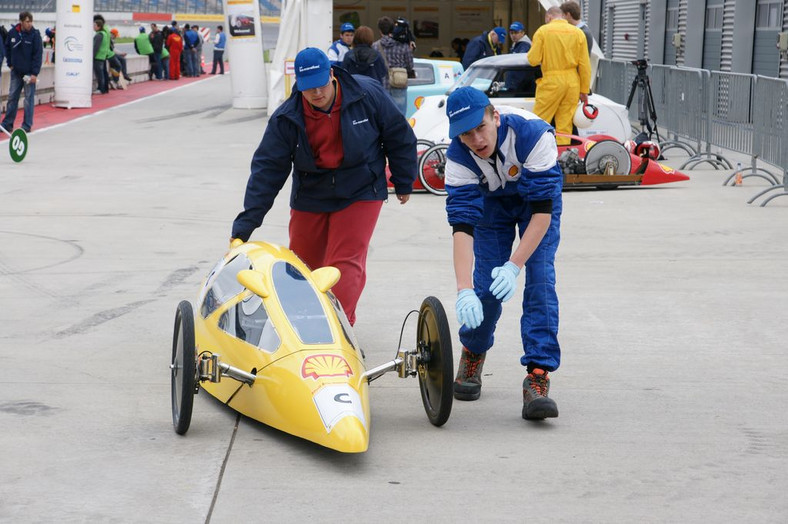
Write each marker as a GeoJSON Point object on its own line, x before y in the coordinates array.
{"type": "Point", "coordinates": [266, 321]}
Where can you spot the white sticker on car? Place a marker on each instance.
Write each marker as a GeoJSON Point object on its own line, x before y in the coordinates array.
{"type": "Point", "coordinates": [337, 401]}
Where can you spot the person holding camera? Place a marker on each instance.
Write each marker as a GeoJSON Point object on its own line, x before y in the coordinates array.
{"type": "Point", "coordinates": [394, 45]}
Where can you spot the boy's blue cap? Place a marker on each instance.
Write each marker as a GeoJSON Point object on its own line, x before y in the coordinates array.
{"type": "Point", "coordinates": [347, 26]}
{"type": "Point", "coordinates": [312, 68]}
{"type": "Point", "coordinates": [465, 109]}
{"type": "Point", "coordinates": [501, 32]}
{"type": "Point", "coordinates": [516, 26]}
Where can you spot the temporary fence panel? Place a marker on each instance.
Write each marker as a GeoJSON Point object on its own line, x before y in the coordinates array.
{"type": "Point", "coordinates": [611, 80]}
{"type": "Point", "coordinates": [730, 123]}
{"type": "Point", "coordinates": [769, 120]}
{"type": "Point", "coordinates": [685, 103]}
{"type": "Point", "coordinates": [658, 75]}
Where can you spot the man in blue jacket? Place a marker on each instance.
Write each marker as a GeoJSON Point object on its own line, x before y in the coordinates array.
{"type": "Point", "coordinates": [335, 132]}
{"type": "Point", "coordinates": [502, 176]}
{"type": "Point", "coordinates": [23, 50]}
{"type": "Point", "coordinates": [484, 45]}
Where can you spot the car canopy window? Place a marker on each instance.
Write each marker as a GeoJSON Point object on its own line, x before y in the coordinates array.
{"type": "Point", "coordinates": [425, 75]}
{"type": "Point", "coordinates": [248, 320]}
{"type": "Point", "coordinates": [222, 284]}
{"type": "Point", "coordinates": [301, 304]}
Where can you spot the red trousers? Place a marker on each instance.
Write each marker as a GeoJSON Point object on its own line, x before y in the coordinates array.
{"type": "Point", "coordinates": [340, 239]}
{"type": "Point", "coordinates": [175, 65]}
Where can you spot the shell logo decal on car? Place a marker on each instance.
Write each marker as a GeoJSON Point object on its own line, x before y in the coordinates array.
{"type": "Point", "coordinates": [327, 365]}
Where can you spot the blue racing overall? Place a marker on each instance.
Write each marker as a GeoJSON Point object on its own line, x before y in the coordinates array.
{"type": "Point", "coordinates": [495, 199]}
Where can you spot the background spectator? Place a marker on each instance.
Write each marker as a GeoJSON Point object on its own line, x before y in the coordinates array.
{"type": "Point", "coordinates": [362, 59]}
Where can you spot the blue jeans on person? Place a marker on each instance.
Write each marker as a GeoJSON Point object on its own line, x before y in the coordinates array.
{"type": "Point", "coordinates": [165, 66]}
{"type": "Point", "coordinates": [493, 238]}
{"type": "Point", "coordinates": [156, 65]}
{"type": "Point", "coordinates": [400, 97]}
{"type": "Point", "coordinates": [218, 60]}
{"type": "Point", "coordinates": [193, 62]}
{"type": "Point", "coordinates": [99, 68]}
{"type": "Point", "coordinates": [17, 84]}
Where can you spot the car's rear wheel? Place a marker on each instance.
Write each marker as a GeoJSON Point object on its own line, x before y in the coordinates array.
{"type": "Point", "coordinates": [435, 361]}
{"type": "Point", "coordinates": [432, 169]}
{"type": "Point", "coordinates": [183, 368]}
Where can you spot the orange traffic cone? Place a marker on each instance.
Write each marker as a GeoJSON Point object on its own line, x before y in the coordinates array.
{"type": "Point", "coordinates": [202, 64]}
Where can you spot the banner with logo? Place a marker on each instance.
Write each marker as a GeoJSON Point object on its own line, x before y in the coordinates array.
{"type": "Point", "coordinates": [74, 54]}
{"type": "Point", "coordinates": [245, 53]}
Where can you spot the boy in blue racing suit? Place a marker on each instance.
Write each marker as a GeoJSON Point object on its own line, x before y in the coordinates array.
{"type": "Point", "coordinates": [502, 175]}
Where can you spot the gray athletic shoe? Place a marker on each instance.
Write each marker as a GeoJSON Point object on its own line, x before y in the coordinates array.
{"type": "Point", "coordinates": [468, 384]}
{"type": "Point", "coordinates": [536, 404]}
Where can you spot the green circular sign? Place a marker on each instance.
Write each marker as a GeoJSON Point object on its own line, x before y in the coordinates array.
{"type": "Point", "coordinates": [17, 146]}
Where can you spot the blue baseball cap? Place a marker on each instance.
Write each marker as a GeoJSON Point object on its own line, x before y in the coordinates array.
{"type": "Point", "coordinates": [347, 26]}
{"type": "Point", "coordinates": [501, 32]}
{"type": "Point", "coordinates": [312, 68]}
{"type": "Point", "coordinates": [465, 109]}
{"type": "Point", "coordinates": [516, 26]}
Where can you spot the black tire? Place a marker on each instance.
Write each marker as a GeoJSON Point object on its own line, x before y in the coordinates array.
{"type": "Point", "coordinates": [423, 145]}
{"type": "Point", "coordinates": [432, 169]}
{"type": "Point", "coordinates": [183, 368]}
{"type": "Point", "coordinates": [435, 361]}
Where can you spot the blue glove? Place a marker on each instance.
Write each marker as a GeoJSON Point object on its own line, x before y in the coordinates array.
{"type": "Point", "coordinates": [469, 308]}
{"type": "Point", "coordinates": [504, 281]}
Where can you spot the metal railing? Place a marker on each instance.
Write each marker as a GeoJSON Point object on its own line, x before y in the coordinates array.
{"type": "Point", "coordinates": [703, 112]}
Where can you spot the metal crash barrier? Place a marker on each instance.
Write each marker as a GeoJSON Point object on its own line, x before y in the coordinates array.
{"type": "Point", "coordinates": [702, 112]}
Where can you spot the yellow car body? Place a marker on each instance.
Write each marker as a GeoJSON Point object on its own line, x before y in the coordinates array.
{"type": "Point", "coordinates": [264, 312]}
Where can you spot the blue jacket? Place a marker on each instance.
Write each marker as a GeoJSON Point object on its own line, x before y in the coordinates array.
{"type": "Point", "coordinates": [24, 50]}
{"type": "Point", "coordinates": [477, 49]}
{"type": "Point", "coordinates": [469, 179]}
{"type": "Point", "coordinates": [191, 39]}
{"type": "Point", "coordinates": [222, 42]}
{"type": "Point", "coordinates": [523, 46]}
{"type": "Point", "coordinates": [373, 130]}
{"type": "Point", "coordinates": [363, 60]}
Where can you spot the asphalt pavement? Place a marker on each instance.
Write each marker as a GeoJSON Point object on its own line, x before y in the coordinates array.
{"type": "Point", "coordinates": [672, 390]}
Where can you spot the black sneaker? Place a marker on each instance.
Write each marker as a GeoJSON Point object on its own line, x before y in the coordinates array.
{"type": "Point", "coordinates": [468, 384]}
{"type": "Point", "coordinates": [536, 404]}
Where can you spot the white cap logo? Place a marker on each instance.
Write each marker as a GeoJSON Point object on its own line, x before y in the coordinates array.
{"type": "Point", "coordinates": [302, 69]}
{"type": "Point", "coordinates": [461, 110]}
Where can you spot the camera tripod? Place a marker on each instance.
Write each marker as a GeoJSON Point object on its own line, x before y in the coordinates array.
{"type": "Point", "coordinates": [646, 110]}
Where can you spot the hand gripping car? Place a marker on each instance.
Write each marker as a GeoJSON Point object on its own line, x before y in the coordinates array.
{"type": "Point", "coordinates": [272, 327]}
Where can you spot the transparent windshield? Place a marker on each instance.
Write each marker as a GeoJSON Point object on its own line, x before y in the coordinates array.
{"type": "Point", "coordinates": [425, 75]}
{"type": "Point", "coordinates": [301, 304]}
{"type": "Point", "coordinates": [478, 77]}
{"type": "Point", "coordinates": [222, 284]}
{"type": "Point", "coordinates": [248, 320]}
{"type": "Point", "coordinates": [347, 329]}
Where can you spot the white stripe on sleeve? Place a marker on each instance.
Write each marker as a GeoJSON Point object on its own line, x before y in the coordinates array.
{"type": "Point", "coordinates": [459, 175]}
{"type": "Point", "coordinates": [544, 154]}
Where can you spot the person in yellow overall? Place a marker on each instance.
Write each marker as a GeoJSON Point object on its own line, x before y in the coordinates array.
{"type": "Point", "coordinates": [561, 49]}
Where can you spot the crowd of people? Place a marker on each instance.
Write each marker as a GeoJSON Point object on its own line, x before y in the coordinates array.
{"type": "Point", "coordinates": [171, 52]}
{"type": "Point", "coordinates": [389, 59]}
